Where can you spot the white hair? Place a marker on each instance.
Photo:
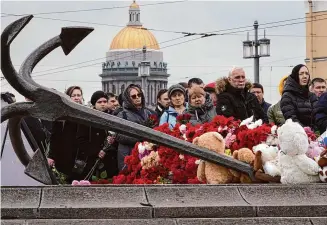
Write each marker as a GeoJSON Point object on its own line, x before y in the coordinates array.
{"type": "Point", "coordinates": [235, 68]}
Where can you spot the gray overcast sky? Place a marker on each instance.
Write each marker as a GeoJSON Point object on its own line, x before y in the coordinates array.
{"type": "Point", "coordinates": [208, 58]}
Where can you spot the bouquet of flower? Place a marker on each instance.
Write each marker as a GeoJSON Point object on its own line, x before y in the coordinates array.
{"type": "Point", "coordinates": [183, 118]}
{"type": "Point", "coordinates": [152, 121]}
{"type": "Point", "coordinates": [155, 164]}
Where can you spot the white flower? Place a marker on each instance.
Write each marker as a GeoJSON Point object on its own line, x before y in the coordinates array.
{"type": "Point", "coordinates": [247, 121]}
{"type": "Point", "coordinates": [182, 128]}
{"type": "Point", "coordinates": [197, 162]}
{"type": "Point", "coordinates": [256, 124]}
{"type": "Point", "coordinates": [220, 129]}
{"type": "Point", "coordinates": [184, 136]}
{"type": "Point", "coordinates": [148, 145]}
{"type": "Point", "coordinates": [141, 148]}
{"type": "Point", "coordinates": [181, 156]}
{"type": "Point", "coordinates": [273, 129]}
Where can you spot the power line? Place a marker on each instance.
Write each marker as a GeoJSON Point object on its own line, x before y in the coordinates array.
{"type": "Point", "coordinates": [115, 59]}
{"type": "Point", "coordinates": [92, 60]}
{"type": "Point", "coordinates": [97, 9]}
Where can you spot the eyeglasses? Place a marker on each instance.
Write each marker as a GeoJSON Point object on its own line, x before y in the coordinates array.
{"type": "Point", "coordinates": [136, 96]}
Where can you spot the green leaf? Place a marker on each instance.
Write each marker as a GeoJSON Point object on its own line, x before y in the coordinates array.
{"type": "Point", "coordinates": [103, 175]}
{"type": "Point", "coordinates": [94, 178]}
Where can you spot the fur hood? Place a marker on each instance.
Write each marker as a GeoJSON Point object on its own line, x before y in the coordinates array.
{"type": "Point", "coordinates": [222, 82]}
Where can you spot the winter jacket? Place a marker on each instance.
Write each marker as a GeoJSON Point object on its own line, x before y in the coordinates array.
{"type": "Point", "coordinates": [265, 105]}
{"type": "Point", "coordinates": [40, 130]}
{"type": "Point", "coordinates": [275, 114]}
{"type": "Point", "coordinates": [90, 141]}
{"type": "Point", "coordinates": [63, 145]}
{"type": "Point", "coordinates": [237, 103]}
{"type": "Point", "coordinates": [132, 114]}
{"type": "Point", "coordinates": [160, 110]}
{"type": "Point", "coordinates": [169, 116]}
{"type": "Point", "coordinates": [321, 113]}
{"type": "Point", "coordinates": [297, 103]}
{"type": "Point", "coordinates": [202, 114]}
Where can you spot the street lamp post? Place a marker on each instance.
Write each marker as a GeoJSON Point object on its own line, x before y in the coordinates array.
{"type": "Point", "coordinates": [144, 73]}
{"type": "Point", "coordinates": [248, 46]}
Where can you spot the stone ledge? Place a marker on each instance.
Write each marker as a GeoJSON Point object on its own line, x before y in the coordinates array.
{"type": "Point", "coordinates": [20, 202]}
{"type": "Point", "coordinates": [287, 201]}
{"type": "Point", "coordinates": [164, 201]}
{"type": "Point", "coordinates": [177, 221]}
{"type": "Point", "coordinates": [94, 202]}
{"type": "Point", "coordinates": [198, 201]}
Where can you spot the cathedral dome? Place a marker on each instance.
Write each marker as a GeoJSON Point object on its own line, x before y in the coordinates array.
{"type": "Point", "coordinates": [134, 37]}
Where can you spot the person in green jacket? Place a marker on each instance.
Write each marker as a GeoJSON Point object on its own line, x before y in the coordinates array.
{"type": "Point", "coordinates": [274, 113]}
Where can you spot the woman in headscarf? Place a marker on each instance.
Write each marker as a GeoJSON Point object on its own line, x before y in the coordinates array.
{"type": "Point", "coordinates": [200, 106]}
{"type": "Point", "coordinates": [134, 110]}
{"type": "Point", "coordinates": [63, 142]}
{"type": "Point", "coordinates": [297, 101]}
{"type": "Point", "coordinates": [176, 94]}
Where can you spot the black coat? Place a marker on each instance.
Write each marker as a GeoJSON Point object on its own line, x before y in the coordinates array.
{"type": "Point", "coordinates": [90, 142]}
{"type": "Point", "coordinates": [297, 103]}
{"type": "Point", "coordinates": [41, 131]}
{"type": "Point", "coordinates": [63, 145]}
{"type": "Point", "coordinates": [160, 110]}
{"type": "Point", "coordinates": [238, 103]}
{"type": "Point", "coordinates": [321, 113]}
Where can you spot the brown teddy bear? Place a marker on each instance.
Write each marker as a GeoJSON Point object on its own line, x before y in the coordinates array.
{"type": "Point", "coordinates": [209, 172]}
{"type": "Point", "coordinates": [247, 156]}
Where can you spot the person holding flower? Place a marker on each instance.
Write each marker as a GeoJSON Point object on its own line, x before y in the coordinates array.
{"type": "Point", "coordinates": [176, 94]}
{"type": "Point", "coordinates": [134, 110]}
{"type": "Point", "coordinates": [201, 107]}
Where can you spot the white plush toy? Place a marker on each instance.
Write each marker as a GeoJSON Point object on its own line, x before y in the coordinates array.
{"type": "Point", "coordinates": [295, 166]}
{"type": "Point", "coordinates": [269, 159]}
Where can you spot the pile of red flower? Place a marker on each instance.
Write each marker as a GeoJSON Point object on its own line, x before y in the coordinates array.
{"type": "Point", "coordinates": [154, 164]}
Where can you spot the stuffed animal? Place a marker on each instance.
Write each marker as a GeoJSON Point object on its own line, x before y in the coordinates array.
{"type": "Point", "coordinates": [314, 150]}
{"type": "Point", "coordinates": [322, 162]}
{"type": "Point", "coordinates": [209, 172]}
{"type": "Point", "coordinates": [295, 166]}
{"type": "Point", "coordinates": [269, 159]}
{"type": "Point", "coordinates": [247, 156]}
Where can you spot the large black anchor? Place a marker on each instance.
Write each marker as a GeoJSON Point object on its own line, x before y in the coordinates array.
{"type": "Point", "coordinates": [49, 104]}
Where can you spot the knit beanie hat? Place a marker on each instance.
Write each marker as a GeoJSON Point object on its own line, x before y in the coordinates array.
{"type": "Point", "coordinates": [176, 87]}
{"type": "Point", "coordinates": [196, 91]}
{"type": "Point", "coordinates": [281, 85]}
{"type": "Point", "coordinates": [97, 95]}
{"type": "Point", "coordinates": [295, 72]}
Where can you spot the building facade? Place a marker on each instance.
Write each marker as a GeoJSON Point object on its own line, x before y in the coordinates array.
{"type": "Point", "coordinates": [316, 38]}
{"type": "Point", "coordinates": [125, 55]}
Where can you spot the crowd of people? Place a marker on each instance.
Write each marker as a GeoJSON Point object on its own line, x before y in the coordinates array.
{"type": "Point", "coordinates": [80, 151]}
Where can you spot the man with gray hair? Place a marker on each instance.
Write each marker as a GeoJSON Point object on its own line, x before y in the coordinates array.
{"type": "Point", "coordinates": [234, 98]}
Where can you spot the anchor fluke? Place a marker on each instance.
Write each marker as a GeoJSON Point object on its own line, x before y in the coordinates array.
{"type": "Point", "coordinates": [72, 36]}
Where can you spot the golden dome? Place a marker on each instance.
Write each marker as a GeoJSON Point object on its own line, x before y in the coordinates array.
{"type": "Point", "coordinates": [132, 37]}
{"type": "Point", "coordinates": [134, 5]}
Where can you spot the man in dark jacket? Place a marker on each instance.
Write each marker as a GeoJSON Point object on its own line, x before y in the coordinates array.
{"type": "Point", "coordinates": [297, 102]}
{"type": "Point", "coordinates": [91, 142]}
{"type": "Point", "coordinates": [234, 98]}
{"type": "Point", "coordinates": [162, 102]}
{"type": "Point", "coordinates": [321, 113]}
{"type": "Point", "coordinates": [134, 110]}
{"type": "Point", "coordinates": [257, 90]}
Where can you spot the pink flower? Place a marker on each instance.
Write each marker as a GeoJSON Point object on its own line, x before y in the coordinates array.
{"type": "Point", "coordinates": [75, 183]}
{"type": "Point", "coordinates": [229, 139]}
{"type": "Point", "coordinates": [84, 182]}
